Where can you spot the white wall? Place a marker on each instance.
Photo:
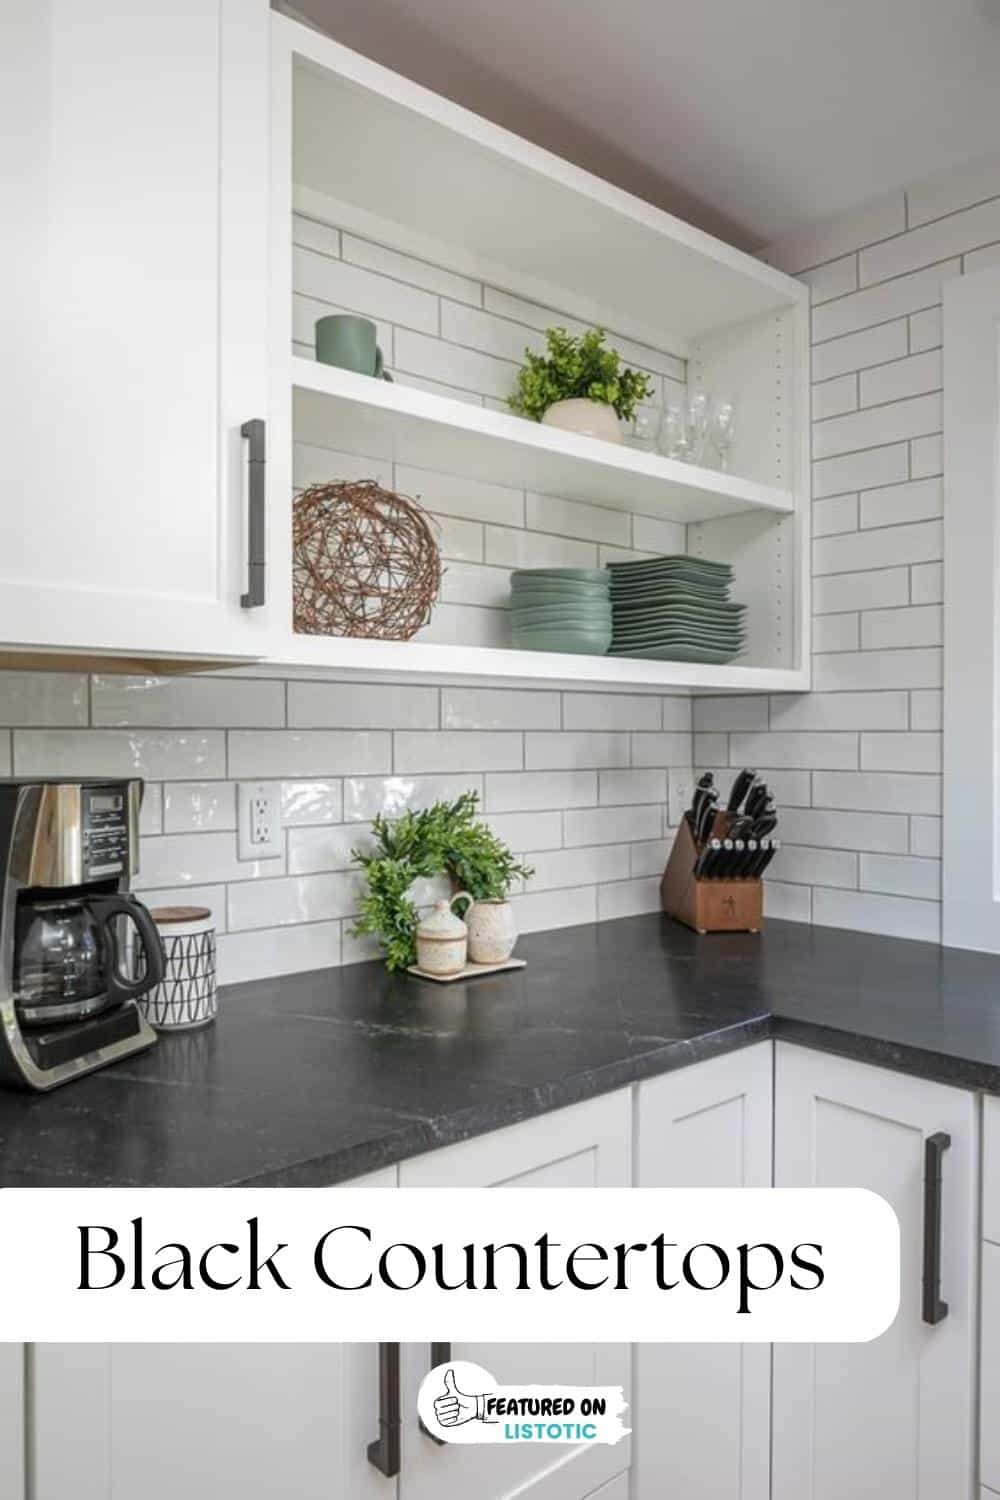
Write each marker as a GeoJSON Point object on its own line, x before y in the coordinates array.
{"type": "Point", "coordinates": [859, 759]}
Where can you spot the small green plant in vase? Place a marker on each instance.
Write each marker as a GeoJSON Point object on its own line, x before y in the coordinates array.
{"type": "Point", "coordinates": [579, 385]}
{"type": "Point", "coordinates": [446, 839]}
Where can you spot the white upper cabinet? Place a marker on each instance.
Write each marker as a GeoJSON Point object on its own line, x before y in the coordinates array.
{"type": "Point", "coordinates": [134, 315]}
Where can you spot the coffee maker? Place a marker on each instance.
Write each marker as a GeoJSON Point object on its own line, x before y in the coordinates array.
{"type": "Point", "coordinates": [76, 947]}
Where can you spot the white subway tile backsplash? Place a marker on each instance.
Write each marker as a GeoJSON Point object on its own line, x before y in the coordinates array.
{"type": "Point", "coordinates": [365, 797]}
{"type": "Point", "coordinates": [151, 809]}
{"type": "Point", "coordinates": [920, 500]}
{"type": "Point", "coordinates": [419, 751]}
{"type": "Point", "coordinates": [308, 752]}
{"type": "Point", "coordinates": [179, 859]}
{"type": "Point", "coordinates": [860, 471]}
{"type": "Point", "coordinates": [120, 752]}
{"type": "Point", "coordinates": [360, 291]}
{"type": "Point", "coordinates": [628, 898]}
{"type": "Point", "coordinates": [287, 950]}
{"type": "Point", "coordinates": [840, 711]}
{"type": "Point", "coordinates": [309, 802]}
{"type": "Point", "coordinates": [877, 791]}
{"type": "Point", "coordinates": [901, 752]}
{"type": "Point", "coordinates": [198, 806]}
{"type": "Point", "coordinates": [666, 748]}
{"type": "Point", "coordinates": [499, 708]}
{"type": "Point", "coordinates": [893, 916]}
{"type": "Point", "coordinates": [421, 273]}
{"type": "Point", "coordinates": [650, 858]}
{"type": "Point", "coordinates": [677, 714]}
{"type": "Point", "coordinates": [906, 377]}
{"type": "Point", "coordinates": [507, 548]}
{"type": "Point", "coordinates": [804, 866]}
{"type": "Point", "coordinates": [926, 710]}
{"type": "Point", "coordinates": [655, 535]}
{"type": "Point", "coordinates": [483, 330]}
{"type": "Point", "coordinates": [526, 832]}
{"type": "Point", "coordinates": [469, 499]}
{"type": "Point", "coordinates": [926, 456]}
{"type": "Point", "coordinates": [472, 583]}
{"type": "Point", "coordinates": [857, 670]}
{"type": "Point", "coordinates": [354, 705]}
{"type": "Point", "coordinates": [311, 850]}
{"type": "Point", "coordinates": [856, 351]}
{"type": "Point", "coordinates": [875, 426]}
{"type": "Point", "coordinates": [188, 702]}
{"type": "Point", "coordinates": [879, 548]}
{"type": "Point", "coordinates": [901, 875]}
{"type": "Point", "coordinates": [589, 523]}
{"type": "Point", "coordinates": [34, 699]}
{"type": "Point", "coordinates": [876, 589]}
{"type": "Point", "coordinates": [293, 899]}
{"type": "Point", "coordinates": [615, 711]}
{"type": "Point", "coordinates": [572, 748]}
{"type": "Point", "coordinates": [313, 234]}
{"type": "Point", "coordinates": [612, 825]}
{"type": "Point", "coordinates": [917, 626]}
{"type": "Point", "coordinates": [806, 749]}
{"type": "Point", "coordinates": [835, 633]}
{"type": "Point", "coordinates": [927, 583]}
{"type": "Point", "coordinates": [469, 623]}
{"type": "Point", "coordinates": [833, 238]}
{"type": "Point", "coordinates": [931, 242]}
{"type": "Point", "coordinates": [527, 790]}
{"type": "Point", "coordinates": [925, 329]}
{"type": "Point", "coordinates": [835, 279]}
{"type": "Point", "coordinates": [711, 749]}
{"type": "Point", "coordinates": [925, 836]}
{"type": "Point", "coordinates": [581, 866]}
{"type": "Point", "coordinates": [976, 260]}
{"type": "Point", "coordinates": [730, 713]}
{"type": "Point", "coordinates": [881, 304]}
{"type": "Point", "coordinates": [791, 903]}
{"type": "Point", "coordinates": [481, 374]}
{"type": "Point", "coordinates": [831, 398]}
{"type": "Point", "coordinates": [539, 910]}
{"type": "Point", "coordinates": [880, 832]}
{"type": "Point", "coordinates": [460, 541]}
{"type": "Point", "coordinates": [618, 787]}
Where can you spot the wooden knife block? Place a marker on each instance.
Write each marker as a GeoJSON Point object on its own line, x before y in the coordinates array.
{"type": "Point", "coordinates": [708, 905]}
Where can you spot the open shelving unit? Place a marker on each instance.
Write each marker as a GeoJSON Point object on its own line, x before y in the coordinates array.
{"type": "Point", "coordinates": [361, 149]}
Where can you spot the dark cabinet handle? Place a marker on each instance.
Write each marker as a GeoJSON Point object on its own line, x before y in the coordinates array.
{"type": "Point", "coordinates": [440, 1355]}
{"type": "Point", "coordinates": [256, 594]}
{"type": "Point", "coordinates": [383, 1453]}
{"type": "Point", "coordinates": [935, 1308]}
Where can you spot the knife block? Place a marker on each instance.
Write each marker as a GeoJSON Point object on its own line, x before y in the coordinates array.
{"type": "Point", "coordinates": [708, 905]}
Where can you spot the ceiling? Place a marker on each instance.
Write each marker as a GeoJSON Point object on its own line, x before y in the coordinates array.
{"type": "Point", "coordinates": [749, 120]}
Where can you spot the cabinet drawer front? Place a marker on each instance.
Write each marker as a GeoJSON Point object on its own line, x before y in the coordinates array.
{"type": "Point", "coordinates": [991, 1170]}
{"type": "Point", "coordinates": [990, 1388]}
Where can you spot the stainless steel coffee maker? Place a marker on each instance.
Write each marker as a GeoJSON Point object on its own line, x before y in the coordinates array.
{"type": "Point", "coordinates": [76, 947]}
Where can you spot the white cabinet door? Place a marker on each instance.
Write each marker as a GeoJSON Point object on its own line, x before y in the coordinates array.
{"type": "Point", "coordinates": [587, 1145]}
{"type": "Point", "coordinates": [702, 1417]}
{"type": "Point", "coordinates": [12, 1421]}
{"type": "Point", "coordinates": [891, 1419]}
{"type": "Point", "coordinates": [134, 157]}
{"type": "Point", "coordinates": [989, 1399]}
{"type": "Point", "coordinates": [159, 1421]}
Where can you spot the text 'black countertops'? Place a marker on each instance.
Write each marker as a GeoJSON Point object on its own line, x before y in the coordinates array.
{"type": "Point", "coordinates": [310, 1079]}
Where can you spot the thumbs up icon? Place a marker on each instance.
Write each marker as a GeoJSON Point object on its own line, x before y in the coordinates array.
{"type": "Point", "coordinates": [454, 1407]}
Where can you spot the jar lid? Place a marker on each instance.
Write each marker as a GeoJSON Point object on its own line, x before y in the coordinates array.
{"type": "Point", "coordinates": [442, 921]}
{"type": "Point", "coordinates": [165, 916]}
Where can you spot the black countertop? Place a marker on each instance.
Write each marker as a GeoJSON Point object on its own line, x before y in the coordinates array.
{"type": "Point", "coordinates": [313, 1078]}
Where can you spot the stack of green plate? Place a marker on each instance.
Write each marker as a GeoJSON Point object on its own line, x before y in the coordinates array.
{"type": "Point", "coordinates": [675, 609]}
{"type": "Point", "coordinates": [561, 609]}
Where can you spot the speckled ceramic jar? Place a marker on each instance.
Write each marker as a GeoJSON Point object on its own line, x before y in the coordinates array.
{"type": "Point", "coordinates": [492, 931]}
{"type": "Point", "coordinates": [442, 938]}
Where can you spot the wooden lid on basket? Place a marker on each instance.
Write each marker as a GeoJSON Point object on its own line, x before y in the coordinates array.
{"type": "Point", "coordinates": [165, 916]}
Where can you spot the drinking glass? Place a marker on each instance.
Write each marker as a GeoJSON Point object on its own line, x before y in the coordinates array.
{"type": "Point", "coordinates": [723, 414]}
{"type": "Point", "coordinates": [674, 431]}
{"type": "Point", "coordinates": [697, 425]}
{"type": "Point", "coordinates": [645, 430]}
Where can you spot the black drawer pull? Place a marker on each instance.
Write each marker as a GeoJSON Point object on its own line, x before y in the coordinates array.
{"type": "Point", "coordinates": [935, 1309]}
{"type": "Point", "coordinates": [256, 434]}
{"type": "Point", "coordinates": [383, 1453]}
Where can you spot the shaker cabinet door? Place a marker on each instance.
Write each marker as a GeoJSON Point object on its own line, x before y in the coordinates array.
{"type": "Point", "coordinates": [160, 1421]}
{"type": "Point", "coordinates": [587, 1145]}
{"type": "Point", "coordinates": [134, 316]}
{"type": "Point", "coordinates": [12, 1421]}
{"type": "Point", "coordinates": [703, 1411]}
{"type": "Point", "coordinates": [892, 1419]}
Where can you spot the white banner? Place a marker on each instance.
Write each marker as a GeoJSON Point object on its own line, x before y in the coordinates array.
{"type": "Point", "coordinates": [570, 1264]}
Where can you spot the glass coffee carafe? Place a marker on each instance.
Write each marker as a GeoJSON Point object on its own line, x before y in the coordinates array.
{"type": "Point", "coordinates": [71, 959]}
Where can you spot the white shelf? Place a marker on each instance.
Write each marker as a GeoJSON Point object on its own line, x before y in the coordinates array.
{"type": "Point", "coordinates": [375, 419]}
{"type": "Point", "coordinates": [412, 660]}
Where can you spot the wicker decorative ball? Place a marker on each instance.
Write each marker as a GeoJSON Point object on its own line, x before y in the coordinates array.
{"type": "Point", "coordinates": [365, 562]}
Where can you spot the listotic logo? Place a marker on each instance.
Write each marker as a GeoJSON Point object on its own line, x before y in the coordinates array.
{"type": "Point", "coordinates": [462, 1403]}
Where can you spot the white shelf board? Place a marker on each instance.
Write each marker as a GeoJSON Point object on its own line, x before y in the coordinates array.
{"type": "Point", "coordinates": [379, 420]}
{"type": "Point", "coordinates": [460, 190]}
{"type": "Point", "coordinates": [413, 660]}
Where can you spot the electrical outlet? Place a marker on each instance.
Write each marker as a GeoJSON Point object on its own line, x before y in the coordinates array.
{"type": "Point", "coordinates": [259, 820]}
{"type": "Point", "coordinates": [681, 792]}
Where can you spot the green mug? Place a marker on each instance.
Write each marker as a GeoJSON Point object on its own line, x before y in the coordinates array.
{"type": "Point", "coordinates": [347, 341]}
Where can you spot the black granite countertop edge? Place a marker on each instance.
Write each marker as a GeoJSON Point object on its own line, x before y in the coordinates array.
{"type": "Point", "coordinates": [418, 1136]}
{"type": "Point", "coordinates": [881, 1052]}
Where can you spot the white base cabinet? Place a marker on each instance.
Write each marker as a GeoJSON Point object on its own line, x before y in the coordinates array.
{"type": "Point", "coordinates": [702, 1415]}
{"type": "Point", "coordinates": [892, 1419]}
{"type": "Point", "coordinates": [12, 1357]}
{"type": "Point", "coordinates": [587, 1145]}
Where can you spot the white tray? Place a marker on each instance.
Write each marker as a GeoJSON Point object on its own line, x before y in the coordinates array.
{"type": "Point", "coordinates": [469, 972]}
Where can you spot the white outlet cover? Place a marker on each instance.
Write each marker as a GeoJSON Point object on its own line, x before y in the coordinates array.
{"type": "Point", "coordinates": [256, 802]}
{"type": "Point", "coordinates": [681, 792]}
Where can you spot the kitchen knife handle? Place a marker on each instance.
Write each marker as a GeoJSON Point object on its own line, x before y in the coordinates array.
{"type": "Point", "coordinates": [935, 1309]}
{"type": "Point", "coordinates": [440, 1355]}
{"type": "Point", "coordinates": [383, 1453]}
{"type": "Point", "coordinates": [255, 433]}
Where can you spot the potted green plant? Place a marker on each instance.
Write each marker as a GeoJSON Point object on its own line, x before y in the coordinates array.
{"type": "Point", "coordinates": [446, 839]}
{"type": "Point", "coordinates": [579, 385]}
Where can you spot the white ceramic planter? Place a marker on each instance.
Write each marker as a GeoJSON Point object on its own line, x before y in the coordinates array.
{"type": "Point", "coordinates": [492, 931]}
{"type": "Point", "coordinates": [589, 418]}
{"type": "Point", "coordinates": [442, 938]}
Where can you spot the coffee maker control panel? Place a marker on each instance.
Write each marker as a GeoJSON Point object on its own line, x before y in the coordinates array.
{"type": "Point", "coordinates": [105, 824]}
